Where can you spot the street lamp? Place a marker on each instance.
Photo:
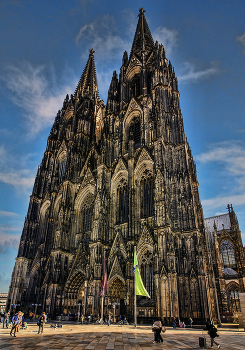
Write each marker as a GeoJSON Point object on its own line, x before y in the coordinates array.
{"type": "Point", "coordinates": [78, 314]}
{"type": "Point", "coordinates": [14, 305]}
{"type": "Point", "coordinates": [36, 305]}
{"type": "Point", "coordinates": [114, 311]}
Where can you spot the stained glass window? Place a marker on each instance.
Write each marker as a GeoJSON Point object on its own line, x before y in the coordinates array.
{"type": "Point", "coordinates": [87, 219]}
{"type": "Point", "coordinates": [228, 254]}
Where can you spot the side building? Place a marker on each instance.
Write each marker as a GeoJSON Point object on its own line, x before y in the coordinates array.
{"type": "Point", "coordinates": [113, 177]}
{"type": "Point", "coordinates": [228, 261]}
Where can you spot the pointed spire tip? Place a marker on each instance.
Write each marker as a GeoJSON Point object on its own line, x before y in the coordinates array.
{"type": "Point", "coordinates": [141, 11]}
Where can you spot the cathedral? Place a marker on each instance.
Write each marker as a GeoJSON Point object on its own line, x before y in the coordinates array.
{"type": "Point", "coordinates": [121, 175]}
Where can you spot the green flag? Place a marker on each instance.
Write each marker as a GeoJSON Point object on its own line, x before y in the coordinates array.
{"type": "Point", "coordinates": [139, 286]}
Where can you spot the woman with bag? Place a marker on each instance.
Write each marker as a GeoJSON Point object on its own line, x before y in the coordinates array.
{"type": "Point", "coordinates": [212, 331]}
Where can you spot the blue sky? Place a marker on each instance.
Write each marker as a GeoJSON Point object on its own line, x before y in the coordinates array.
{"type": "Point", "coordinates": [44, 49]}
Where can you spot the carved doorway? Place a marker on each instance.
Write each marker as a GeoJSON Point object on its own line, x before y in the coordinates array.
{"type": "Point", "coordinates": [115, 297]}
{"type": "Point", "coordinates": [74, 295]}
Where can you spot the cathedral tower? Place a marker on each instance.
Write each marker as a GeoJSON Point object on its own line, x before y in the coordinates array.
{"type": "Point", "coordinates": [113, 177]}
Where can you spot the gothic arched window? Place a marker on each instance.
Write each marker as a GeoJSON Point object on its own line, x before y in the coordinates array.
{"type": "Point", "coordinates": [62, 169]}
{"type": "Point", "coordinates": [135, 86]}
{"type": "Point", "coordinates": [87, 219]}
{"type": "Point", "coordinates": [134, 132]}
{"type": "Point", "coordinates": [122, 204]}
{"type": "Point", "coordinates": [147, 197]}
{"type": "Point", "coordinates": [146, 271]}
{"type": "Point", "coordinates": [228, 255]}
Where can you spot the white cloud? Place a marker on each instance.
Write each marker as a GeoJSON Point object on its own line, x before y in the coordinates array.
{"type": "Point", "coordinates": [241, 39]}
{"type": "Point", "coordinates": [167, 37]}
{"type": "Point", "coordinates": [189, 72]}
{"type": "Point", "coordinates": [9, 214]}
{"type": "Point", "coordinates": [9, 239]}
{"type": "Point", "coordinates": [18, 179]}
{"type": "Point", "coordinates": [221, 202]}
{"type": "Point", "coordinates": [101, 36]}
{"type": "Point", "coordinates": [229, 159]}
{"type": "Point", "coordinates": [15, 172]}
{"type": "Point", "coordinates": [230, 153]}
{"type": "Point", "coordinates": [39, 98]}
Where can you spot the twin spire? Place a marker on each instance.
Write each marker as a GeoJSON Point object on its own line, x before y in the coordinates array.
{"type": "Point", "coordinates": [87, 85]}
{"type": "Point", "coordinates": [143, 43]}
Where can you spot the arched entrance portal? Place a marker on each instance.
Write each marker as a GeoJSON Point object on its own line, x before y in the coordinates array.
{"type": "Point", "coordinates": [74, 295]}
{"type": "Point", "coordinates": [115, 300]}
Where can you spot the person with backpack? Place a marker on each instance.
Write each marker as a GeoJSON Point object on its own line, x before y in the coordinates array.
{"type": "Point", "coordinates": [41, 322]}
{"type": "Point", "coordinates": [212, 331]}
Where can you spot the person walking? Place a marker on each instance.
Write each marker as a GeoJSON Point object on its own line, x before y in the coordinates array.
{"type": "Point", "coordinates": [108, 319]}
{"type": "Point", "coordinates": [191, 321]}
{"type": "Point", "coordinates": [174, 323]}
{"type": "Point", "coordinates": [15, 322]}
{"type": "Point", "coordinates": [212, 331]}
{"type": "Point", "coordinates": [6, 319]}
{"type": "Point", "coordinates": [41, 322]}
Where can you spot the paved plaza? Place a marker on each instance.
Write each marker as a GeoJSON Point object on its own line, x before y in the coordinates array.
{"type": "Point", "coordinates": [76, 337]}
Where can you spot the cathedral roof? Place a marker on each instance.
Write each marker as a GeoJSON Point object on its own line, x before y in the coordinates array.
{"type": "Point", "coordinates": [230, 272]}
{"type": "Point", "coordinates": [87, 85]}
{"type": "Point", "coordinates": [143, 40]}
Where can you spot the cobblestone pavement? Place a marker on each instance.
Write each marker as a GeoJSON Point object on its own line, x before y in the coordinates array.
{"type": "Point", "coordinates": [76, 337]}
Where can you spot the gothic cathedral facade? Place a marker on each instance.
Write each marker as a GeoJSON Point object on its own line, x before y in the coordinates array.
{"type": "Point", "coordinates": [113, 177]}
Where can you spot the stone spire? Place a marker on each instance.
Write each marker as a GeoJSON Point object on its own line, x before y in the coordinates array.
{"type": "Point", "coordinates": [143, 41]}
{"type": "Point", "coordinates": [87, 85]}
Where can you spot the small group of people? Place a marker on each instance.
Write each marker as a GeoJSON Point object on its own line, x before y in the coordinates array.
{"type": "Point", "coordinates": [157, 329]}
{"type": "Point", "coordinates": [17, 320]}
{"type": "Point", "coordinates": [181, 323]}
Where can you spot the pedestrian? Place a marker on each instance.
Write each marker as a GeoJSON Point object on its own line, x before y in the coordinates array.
{"type": "Point", "coordinates": [6, 319]}
{"type": "Point", "coordinates": [20, 315]}
{"type": "Point", "coordinates": [15, 322]}
{"type": "Point", "coordinates": [108, 319]}
{"type": "Point", "coordinates": [174, 323]}
{"type": "Point", "coordinates": [191, 321]}
{"type": "Point", "coordinates": [157, 329]}
{"type": "Point", "coordinates": [41, 322]}
{"type": "Point", "coordinates": [82, 319]}
{"type": "Point", "coordinates": [212, 331]}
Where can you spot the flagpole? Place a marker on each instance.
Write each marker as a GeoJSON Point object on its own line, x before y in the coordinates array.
{"type": "Point", "coordinates": [103, 294]}
{"type": "Point", "coordinates": [102, 308]}
{"type": "Point", "coordinates": [135, 308]}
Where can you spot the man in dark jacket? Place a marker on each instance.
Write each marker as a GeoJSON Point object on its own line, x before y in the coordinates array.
{"type": "Point", "coordinates": [212, 331]}
{"type": "Point", "coordinates": [41, 322]}
{"type": "Point", "coordinates": [6, 319]}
